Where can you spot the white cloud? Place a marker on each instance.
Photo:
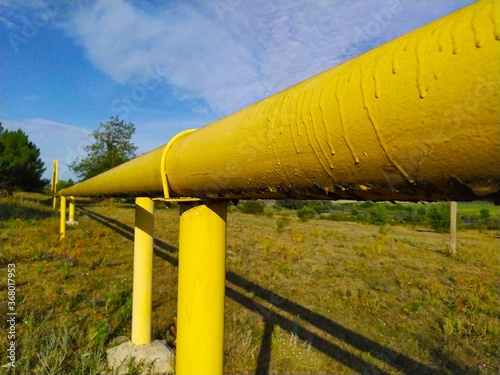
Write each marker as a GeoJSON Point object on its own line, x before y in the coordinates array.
{"type": "Point", "coordinates": [231, 53]}
{"type": "Point", "coordinates": [189, 49]}
{"type": "Point", "coordinates": [150, 135]}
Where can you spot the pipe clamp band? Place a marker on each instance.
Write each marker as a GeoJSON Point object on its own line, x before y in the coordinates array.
{"type": "Point", "coordinates": [163, 167]}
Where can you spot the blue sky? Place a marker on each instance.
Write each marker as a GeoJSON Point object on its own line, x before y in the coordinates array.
{"type": "Point", "coordinates": [166, 66]}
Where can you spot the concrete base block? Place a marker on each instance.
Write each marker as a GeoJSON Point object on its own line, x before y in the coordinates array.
{"type": "Point", "coordinates": [155, 358]}
{"type": "Point", "coordinates": [72, 223]}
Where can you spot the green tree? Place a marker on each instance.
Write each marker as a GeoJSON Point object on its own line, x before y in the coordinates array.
{"type": "Point", "coordinates": [20, 163]}
{"type": "Point", "coordinates": [112, 147]}
{"type": "Point", "coordinates": [63, 184]}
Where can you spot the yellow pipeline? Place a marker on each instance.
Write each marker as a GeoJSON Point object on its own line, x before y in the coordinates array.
{"type": "Point", "coordinates": [201, 288]}
{"type": "Point", "coordinates": [138, 177]}
{"type": "Point", "coordinates": [414, 119]}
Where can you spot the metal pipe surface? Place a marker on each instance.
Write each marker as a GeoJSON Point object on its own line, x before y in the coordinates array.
{"type": "Point", "coordinates": [139, 177]}
{"type": "Point", "coordinates": [71, 216]}
{"type": "Point", "coordinates": [62, 219]}
{"type": "Point", "coordinates": [201, 288]}
{"type": "Point", "coordinates": [143, 271]}
{"type": "Point", "coordinates": [414, 119]}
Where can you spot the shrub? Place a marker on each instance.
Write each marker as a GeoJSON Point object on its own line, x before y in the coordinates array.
{"type": "Point", "coordinates": [367, 204]}
{"type": "Point", "coordinates": [282, 223]}
{"type": "Point", "coordinates": [485, 213]}
{"type": "Point", "coordinates": [231, 207]}
{"type": "Point", "coordinates": [292, 204]}
{"type": "Point", "coordinates": [252, 207]}
{"type": "Point", "coordinates": [306, 213]}
{"type": "Point", "coordinates": [421, 211]}
{"type": "Point", "coordinates": [409, 217]}
{"type": "Point", "coordinates": [340, 216]}
{"type": "Point", "coordinates": [320, 206]}
{"type": "Point", "coordinates": [378, 214]}
{"type": "Point", "coordinates": [439, 217]}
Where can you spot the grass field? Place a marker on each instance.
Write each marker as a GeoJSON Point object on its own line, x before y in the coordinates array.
{"type": "Point", "coordinates": [302, 297]}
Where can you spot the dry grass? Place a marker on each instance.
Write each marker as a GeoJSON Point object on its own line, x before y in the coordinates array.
{"type": "Point", "coordinates": [302, 297]}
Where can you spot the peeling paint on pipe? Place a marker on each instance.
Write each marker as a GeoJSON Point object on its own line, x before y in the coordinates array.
{"type": "Point", "coordinates": [417, 118]}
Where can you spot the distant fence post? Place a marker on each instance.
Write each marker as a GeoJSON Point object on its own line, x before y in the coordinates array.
{"type": "Point", "coordinates": [143, 271]}
{"type": "Point", "coordinates": [201, 288]}
{"type": "Point", "coordinates": [62, 218]}
{"type": "Point", "coordinates": [453, 228]}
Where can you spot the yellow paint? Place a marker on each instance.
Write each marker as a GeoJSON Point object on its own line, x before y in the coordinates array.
{"type": "Point", "coordinates": [71, 209]}
{"type": "Point", "coordinates": [167, 147]}
{"type": "Point", "coordinates": [138, 177]}
{"type": "Point", "coordinates": [200, 306]}
{"type": "Point", "coordinates": [425, 107]}
{"type": "Point", "coordinates": [62, 219]}
{"type": "Point", "coordinates": [53, 186]}
{"type": "Point", "coordinates": [143, 271]}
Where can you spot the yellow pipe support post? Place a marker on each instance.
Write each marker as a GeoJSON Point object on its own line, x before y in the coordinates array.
{"type": "Point", "coordinates": [143, 271]}
{"type": "Point", "coordinates": [55, 168]}
{"type": "Point", "coordinates": [71, 217]}
{"type": "Point", "coordinates": [201, 288]}
{"type": "Point", "coordinates": [62, 218]}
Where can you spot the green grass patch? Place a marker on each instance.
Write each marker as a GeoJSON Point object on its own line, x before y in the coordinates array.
{"type": "Point", "coordinates": [313, 296]}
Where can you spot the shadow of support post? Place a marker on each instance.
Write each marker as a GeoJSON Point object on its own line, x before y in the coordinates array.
{"type": "Point", "coordinates": [264, 359]}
